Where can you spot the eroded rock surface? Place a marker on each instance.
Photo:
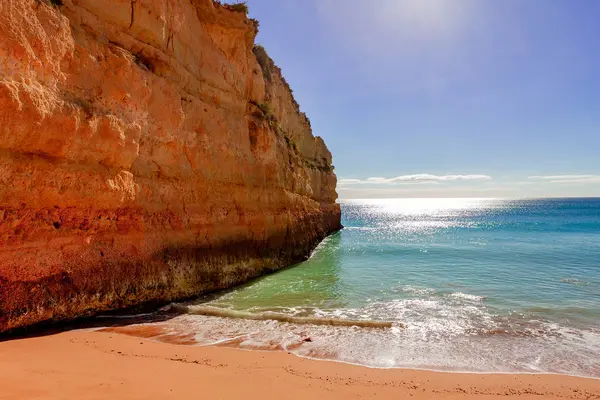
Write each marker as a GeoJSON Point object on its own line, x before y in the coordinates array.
{"type": "Point", "coordinates": [148, 152]}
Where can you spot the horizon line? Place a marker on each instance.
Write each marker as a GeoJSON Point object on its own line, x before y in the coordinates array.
{"type": "Point", "coordinates": [473, 198]}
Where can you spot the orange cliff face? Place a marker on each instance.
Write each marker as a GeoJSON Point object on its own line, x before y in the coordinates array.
{"type": "Point", "coordinates": [148, 152]}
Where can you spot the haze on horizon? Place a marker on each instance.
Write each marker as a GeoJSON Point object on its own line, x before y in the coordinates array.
{"type": "Point", "coordinates": [440, 98]}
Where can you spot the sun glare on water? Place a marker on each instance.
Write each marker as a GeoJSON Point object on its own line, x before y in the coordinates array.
{"type": "Point", "coordinates": [428, 206]}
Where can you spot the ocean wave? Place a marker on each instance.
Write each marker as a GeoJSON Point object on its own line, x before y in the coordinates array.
{"type": "Point", "coordinates": [426, 292]}
{"type": "Point", "coordinates": [323, 244]}
{"type": "Point", "coordinates": [430, 318]}
{"type": "Point", "coordinates": [229, 313]}
{"type": "Point", "coordinates": [577, 282]}
{"type": "Point", "coordinates": [411, 289]}
{"type": "Point", "coordinates": [467, 296]}
{"type": "Point", "coordinates": [507, 345]}
{"type": "Point", "coordinates": [583, 313]}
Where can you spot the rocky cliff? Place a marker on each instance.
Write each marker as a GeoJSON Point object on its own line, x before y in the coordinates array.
{"type": "Point", "coordinates": [149, 151]}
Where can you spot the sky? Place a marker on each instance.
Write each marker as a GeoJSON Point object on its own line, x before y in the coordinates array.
{"type": "Point", "coordinates": [446, 98]}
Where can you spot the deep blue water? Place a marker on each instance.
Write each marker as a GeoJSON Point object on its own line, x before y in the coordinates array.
{"type": "Point", "coordinates": [480, 285]}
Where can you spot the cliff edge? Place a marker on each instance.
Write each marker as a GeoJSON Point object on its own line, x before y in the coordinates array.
{"type": "Point", "coordinates": [149, 151]}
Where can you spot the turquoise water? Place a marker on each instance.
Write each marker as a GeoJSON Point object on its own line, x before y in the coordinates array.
{"type": "Point", "coordinates": [479, 285]}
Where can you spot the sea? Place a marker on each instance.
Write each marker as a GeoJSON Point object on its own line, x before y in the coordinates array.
{"type": "Point", "coordinates": [469, 285]}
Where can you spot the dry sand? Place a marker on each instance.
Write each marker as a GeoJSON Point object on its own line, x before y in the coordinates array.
{"type": "Point", "coordinates": [104, 365]}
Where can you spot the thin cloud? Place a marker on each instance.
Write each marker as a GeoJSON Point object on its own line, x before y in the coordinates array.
{"type": "Point", "coordinates": [415, 179]}
{"type": "Point", "coordinates": [426, 192]}
{"type": "Point", "coordinates": [567, 178]}
{"type": "Point", "coordinates": [348, 181]}
{"type": "Point", "coordinates": [563, 177]}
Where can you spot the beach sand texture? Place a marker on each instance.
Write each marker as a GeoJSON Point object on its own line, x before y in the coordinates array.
{"type": "Point", "coordinates": [104, 365]}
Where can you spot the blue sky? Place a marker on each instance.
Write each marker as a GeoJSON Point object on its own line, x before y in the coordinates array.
{"type": "Point", "coordinates": [446, 98]}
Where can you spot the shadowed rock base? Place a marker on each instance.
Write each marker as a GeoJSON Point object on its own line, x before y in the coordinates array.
{"type": "Point", "coordinates": [172, 273]}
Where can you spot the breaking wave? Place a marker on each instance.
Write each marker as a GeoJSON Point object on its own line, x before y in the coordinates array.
{"type": "Point", "coordinates": [446, 332]}
{"type": "Point", "coordinates": [271, 316]}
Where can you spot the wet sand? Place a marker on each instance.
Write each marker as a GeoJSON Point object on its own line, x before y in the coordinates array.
{"type": "Point", "coordinates": [106, 365]}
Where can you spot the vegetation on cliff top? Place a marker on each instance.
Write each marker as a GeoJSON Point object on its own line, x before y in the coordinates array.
{"type": "Point", "coordinates": [241, 6]}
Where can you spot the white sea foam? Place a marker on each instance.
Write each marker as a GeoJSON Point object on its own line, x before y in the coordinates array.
{"type": "Point", "coordinates": [416, 290]}
{"type": "Point", "coordinates": [427, 342]}
{"type": "Point", "coordinates": [449, 331]}
{"type": "Point", "coordinates": [467, 296]}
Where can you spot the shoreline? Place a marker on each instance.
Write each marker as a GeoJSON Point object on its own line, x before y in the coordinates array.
{"type": "Point", "coordinates": [441, 371]}
{"type": "Point", "coordinates": [225, 343]}
{"type": "Point", "coordinates": [95, 364]}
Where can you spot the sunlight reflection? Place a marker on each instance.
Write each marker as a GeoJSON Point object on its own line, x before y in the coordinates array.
{"type": "Point", "coordinates": [425, 206]}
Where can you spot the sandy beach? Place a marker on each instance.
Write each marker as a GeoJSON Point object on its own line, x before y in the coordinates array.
{"type": "Point", "coordinates": [105, 365]}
